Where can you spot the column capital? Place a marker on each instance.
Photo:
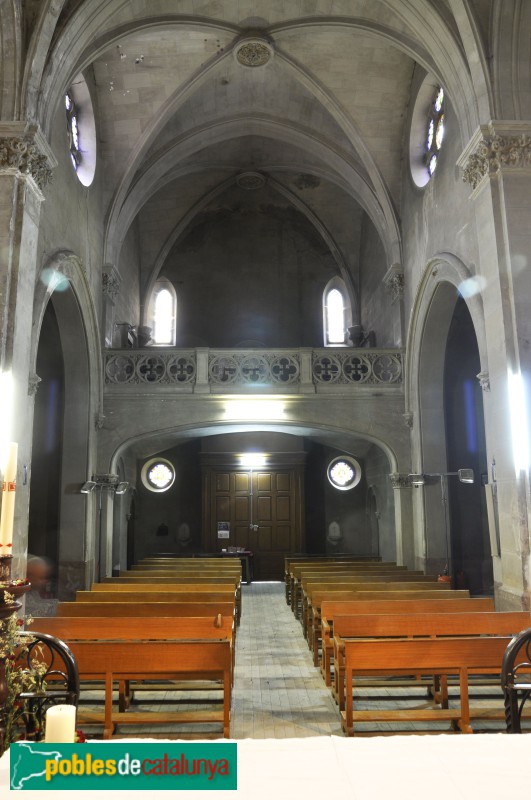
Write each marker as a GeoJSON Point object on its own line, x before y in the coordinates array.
{"type": "Point", "coordinates": [33, 383]}
{"type": "Point", "coordinates": [393, 281]}
{"type": "Point", "coordinates": [399, 480]}
{"type": "Point", "coordinates": [24, 150]}
{"type": "Point", "coordinates": [500, 145]}
{"type": "Point", "coordinates": [111, 281]}
{"type": "Point", "coordinates": [484, 380]}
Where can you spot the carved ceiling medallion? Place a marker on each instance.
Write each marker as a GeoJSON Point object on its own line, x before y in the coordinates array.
{"type": "Point", "coordinates": [253, 53]}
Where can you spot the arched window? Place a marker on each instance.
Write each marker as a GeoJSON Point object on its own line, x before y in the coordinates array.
{"type": "Point", "coordinates": [337, 314]}
{"type": "Point", "coordinates": [72, 129]}
{"type": "Point", "coordinates": [427, 130]}
{"type": "Point", "coordinates": [434, 131]}
{"type": "Point", "coordinates": [81, 129]}
{"type": "Point", "coordinates": [164, 313]}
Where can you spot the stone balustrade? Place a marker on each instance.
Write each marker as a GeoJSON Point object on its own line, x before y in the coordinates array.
{"type": "Point", "coordinates": [290, 371]}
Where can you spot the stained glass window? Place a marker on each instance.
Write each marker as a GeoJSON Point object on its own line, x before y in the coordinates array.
{"type": "Point", "coordinates": [344, 473]}
{"type": "Point", "coordinates": [434, 131]}
{"type": "Point", "coordinates": [72, 127]}
{"type": "Point", "coordinates": [158, 475]}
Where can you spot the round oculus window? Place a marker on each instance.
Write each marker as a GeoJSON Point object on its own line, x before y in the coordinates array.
{"type": "Point", "coordinates": [344, 473]}
{"type": "Point", "coordinates": [158, 475]}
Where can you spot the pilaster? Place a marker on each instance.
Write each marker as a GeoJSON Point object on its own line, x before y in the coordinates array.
{"type": "Point", "coordinates": [496, 165]}
{"type": "Point", "coordinates": [26, 165]}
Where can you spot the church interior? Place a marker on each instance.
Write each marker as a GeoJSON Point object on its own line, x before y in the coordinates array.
{"type": "Point", "coordinates": [265, 288]}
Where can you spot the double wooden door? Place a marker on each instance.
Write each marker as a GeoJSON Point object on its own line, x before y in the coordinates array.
{"type": "Point", "coordinates": [263, 509]}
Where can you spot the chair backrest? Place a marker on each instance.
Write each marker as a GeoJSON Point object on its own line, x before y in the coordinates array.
{"type": "Point", "coordinates": [516, 679]}
{"type": "Point", "coordinates": [60, 680]}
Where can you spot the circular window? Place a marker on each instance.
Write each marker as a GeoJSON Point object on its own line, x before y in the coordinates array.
{"type": "Point", "coordinates": [158, 475]}
{"type": "Point", "coordinates": [344, 473]}
{"type": "Point", "coordinates": [427, 131]}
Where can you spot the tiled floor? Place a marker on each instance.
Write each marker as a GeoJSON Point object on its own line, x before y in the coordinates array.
{"type": "Point", "coordinates": [278, 693]}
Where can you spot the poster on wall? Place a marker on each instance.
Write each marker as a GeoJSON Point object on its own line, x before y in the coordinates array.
{"type": "Point", "coordinates": [223, 530]}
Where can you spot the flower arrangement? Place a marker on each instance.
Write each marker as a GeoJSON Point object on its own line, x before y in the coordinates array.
{"type": "Point", "coordinates": [19, 677]}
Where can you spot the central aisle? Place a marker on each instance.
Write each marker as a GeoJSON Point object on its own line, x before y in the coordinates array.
{"type": "Point", "coordinates": [278, 693]}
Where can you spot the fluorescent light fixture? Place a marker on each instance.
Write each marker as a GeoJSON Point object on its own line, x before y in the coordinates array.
{"type": "Point", "coordinates": [417, 479]}
{"type": "Point", "coordinates": [519, 421]}
{"type": "Point", "coordinates": [122, 487]}
{"type": "Point", "coordinates": [88, 487]}
{"type": "Point", "coordinates": [253, 409]}
{"type": "Point", "coordinates": [253, 460]}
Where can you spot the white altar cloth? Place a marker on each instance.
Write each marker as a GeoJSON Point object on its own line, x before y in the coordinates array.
{"type": "Point", "coordinates": [440, 767]}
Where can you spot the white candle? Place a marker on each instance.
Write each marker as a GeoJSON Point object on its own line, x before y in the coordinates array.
{"type": "Point", "coordinates": [8, 500]}
{"type": "Point", "coordinates": [60, 724]}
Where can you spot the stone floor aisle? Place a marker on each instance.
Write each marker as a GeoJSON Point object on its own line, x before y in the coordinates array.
{"type": "Point", "coordinates": [278, 693]}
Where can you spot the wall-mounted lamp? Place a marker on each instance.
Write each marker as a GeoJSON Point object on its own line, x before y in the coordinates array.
{"type": "Point", "coordinates": [105, 482]}
{"type": "Point", "coordinates": [419, 479]}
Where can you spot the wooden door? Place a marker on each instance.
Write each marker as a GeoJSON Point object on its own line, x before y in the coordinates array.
{"type": "Point", "coordinates": [263, 509]}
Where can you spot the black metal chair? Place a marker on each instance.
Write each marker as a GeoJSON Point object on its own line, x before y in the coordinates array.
{"type": "Point", "coordinates": [58, 684]}
{"type": "Point", "coordinates": [516, 679]}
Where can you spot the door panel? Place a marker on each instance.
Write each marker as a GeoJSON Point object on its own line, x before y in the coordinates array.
{"type": "Point", "coordinates": [242, 509]}
{"type": "Point", "coordinates": [269, 499]}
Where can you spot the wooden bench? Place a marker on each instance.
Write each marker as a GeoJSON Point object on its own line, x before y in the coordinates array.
{"type": "Point", "coordinates": [462, 656]}
{"type": "Point", "coordinates": [162, 593]}
{"type": "Point", "coordinates": [342, 578]}
{"type": "Point", "coordinates": [315, 593]}
{"type": "Point", "coordinates": [298, 571]}
{"type": "Point", "coordinates": [121, 608]}
{"type": "Point", "coordinates": [118, 660]}
{"type": "Point", "coordinates": [70, 629]}
{"type": "Point", "coordinates": [447, 603]}
{"type": "Point", "coordinates": [309, 558]}
{"type": "Point", "coordinates": [463, 623]}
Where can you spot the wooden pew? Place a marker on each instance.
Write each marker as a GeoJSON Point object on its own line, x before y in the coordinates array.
{"type": "Point", "coordinates": [300, 570]}
{"type": "Point", "coordinates": [462, 656]}
{"type": "Point", "coordinates": [118, 660]}
{"type": "Point", "coordinates": [315, 593]}
{"type": "Point", "coordinates": [340, 579]}
{"type": "Point", "coordinates": [463, 623]}
{"type": "Point", "coordinates": [133, 629]}
{"type": "Point", "coordinates": [311, 558]}
{"type": "Point", "coordinates": [107, 592]}
{"type": "Point", "coordinates": [446, 603]}
{"type": "Point", "coordinates": [121, 608]}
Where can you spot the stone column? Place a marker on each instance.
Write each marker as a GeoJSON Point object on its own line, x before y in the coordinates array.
{"type": "Point", "coordinates": [496, 164]}
{"type": "Point", "coordinates": [405, 549]}
{"type": "Point", "coordinates": [26, 164]}
{"type": "Point", "coordinates": [111, 282]}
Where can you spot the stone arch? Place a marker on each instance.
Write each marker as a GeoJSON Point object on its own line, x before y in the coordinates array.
{"type": "Point", "coordinates": [301, 206]}
{"type": "Point", "coordinates": [63, 283]}
{"type": "Point", "coordinates": [511, 60]}
{"type": "Point", "coordinates": [444, 278]}
{"type": "Point", "coordinates": [341, 171]}
{"type": "Point", "coordinates": [10, 58]}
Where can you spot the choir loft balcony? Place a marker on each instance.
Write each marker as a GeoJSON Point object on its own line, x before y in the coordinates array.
{"type": "Point", "coordinates": [280, 371]}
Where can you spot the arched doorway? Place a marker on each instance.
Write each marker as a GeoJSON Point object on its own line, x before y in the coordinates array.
{"type": "Point", "coordinates": [289, 499]}
{"type": "Point", "coordinates": [62, 434]}
{"type": "Point", "coordinates": [452, 437]}
{"type": "Point", "coordinates": [466, 447]}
